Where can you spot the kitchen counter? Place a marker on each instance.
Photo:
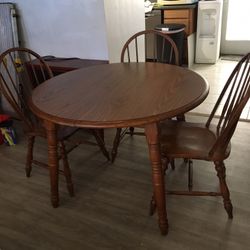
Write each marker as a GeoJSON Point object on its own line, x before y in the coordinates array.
{"type": "Point", "coordinates": [175, 7]}
{"type": "Point", "coordinates": [179, 13]}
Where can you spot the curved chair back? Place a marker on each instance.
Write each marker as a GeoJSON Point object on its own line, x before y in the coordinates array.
{"type": "Point", "coordinates": [164, 48]}
{"type": "Point", "coordinates": [21, 70]}
{"type": "Point", "coordinates": [235, 96]}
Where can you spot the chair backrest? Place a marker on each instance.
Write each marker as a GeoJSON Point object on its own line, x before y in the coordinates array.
{"type": "Point", "coordinates": [163, 46]}
{"type": "Point", "coordinates": [232, 99]}
{"type": "Point", "coordinates": [18, 77]}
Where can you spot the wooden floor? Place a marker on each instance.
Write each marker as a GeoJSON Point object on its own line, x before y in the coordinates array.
{"type": "Point", "coordinates": [110, 209]}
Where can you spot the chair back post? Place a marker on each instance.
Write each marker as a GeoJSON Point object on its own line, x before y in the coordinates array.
{"type": "Point", "coordinates": [172, 57]}
{"type": "Point", "coordinates": [235, 96]}
{"type": "Point", "coordinates": [18, 77]}
{"type": "Point", "coordinates": [226, 135]}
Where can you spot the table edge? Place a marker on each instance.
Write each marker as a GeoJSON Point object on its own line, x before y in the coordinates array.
{"type": "Point", "coordinates": [118, 124]}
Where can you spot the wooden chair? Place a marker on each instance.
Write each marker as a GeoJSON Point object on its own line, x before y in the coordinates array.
{"type": "Point", "coordinates": [18, 77]}
{"type": "Point", "coordinates": [164, 51]}
{"type": "Point", "coordinates": [164, 48]}
{"type": "Point", "coordinates": [210, 141]}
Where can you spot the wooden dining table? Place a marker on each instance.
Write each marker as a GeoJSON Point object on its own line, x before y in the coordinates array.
{"type": "Point", "coordinates": [116, 96]}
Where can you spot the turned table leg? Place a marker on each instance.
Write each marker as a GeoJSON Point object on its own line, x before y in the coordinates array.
{"type": "Point", "coordinates": [152, 134]}
{"type": "Point", "coordinates": [52, 161]}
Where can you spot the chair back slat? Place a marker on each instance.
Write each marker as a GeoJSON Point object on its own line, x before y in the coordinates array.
{"type": "Point", "coordinates": [11, 80]}
{"type": "Point", "coordinates": [19, 75]}
{"type": "Point", "coordinates": [136, 49]}
{"type": "Point", "coordinates": [164, 48]}
{"type": "Point", "coordinates": [14, 84]}
{"type": "Point", "coordinates": [154, 46]}
{"type": "Point", "coordinates": [162, 51]}
{"type": "Point", "coordinates": [235, 96]}
{"type": "Point", "coordinates": [33, 71]}
{"type": "Point", "coordinates": [128, 54]}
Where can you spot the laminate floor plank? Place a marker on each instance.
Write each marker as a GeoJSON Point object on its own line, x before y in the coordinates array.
{"type": "Point", "coordinates": [111, 205]}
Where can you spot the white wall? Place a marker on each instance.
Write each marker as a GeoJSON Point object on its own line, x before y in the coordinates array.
{"type": "Point", "coordinates": [93, 29]}
{"type": "Point", "coordinates": [67, 28]}
{"type": "Point", "coordinates": [123, 19]}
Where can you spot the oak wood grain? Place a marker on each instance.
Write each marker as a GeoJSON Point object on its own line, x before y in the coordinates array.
{"type": "Point", "coordinates": [115, 95]}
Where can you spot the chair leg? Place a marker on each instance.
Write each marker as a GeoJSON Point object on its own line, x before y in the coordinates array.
{"type": "Point", "coordinates": [221, 173]}
{"type": "Point", "coordinates": [181, 118]}
{"type": "Point", "coordinates": [66, 169]}
{"type": "Point", "coordinates": [101, 133]}
{"type": "Point", "coordinates": [172, 163]}
{"type": "Point", "coordinates": [152, 208]}
{"type": "Point", "coordinates": [116, 144]}
{"type": "Point", "coordinates": [131, 129]}
{"type": "Point", "coordinates": [99, 136]}
{"type": "Point", "coordinates": [29, 157]}
{"type": "Point", "coordinates": [190, 175]}
{"type": "Point", "coordinates": [165, 162]}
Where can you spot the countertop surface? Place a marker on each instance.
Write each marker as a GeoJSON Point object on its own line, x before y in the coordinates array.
{"type": "Point", "coordinates": [174, 7]}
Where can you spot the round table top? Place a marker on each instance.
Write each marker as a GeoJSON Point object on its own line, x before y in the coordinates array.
{"type": "Point", "coordinates": [118, 95]}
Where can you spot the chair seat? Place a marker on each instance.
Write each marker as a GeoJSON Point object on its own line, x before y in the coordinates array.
{"type": "Point", "coordinates": [206, 141]}
{"type": "Point", "coordinates": [189, 140]}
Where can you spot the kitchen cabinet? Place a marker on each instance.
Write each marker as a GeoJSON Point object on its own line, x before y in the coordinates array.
{"type": "Point", "coordinates": [184, 16]}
